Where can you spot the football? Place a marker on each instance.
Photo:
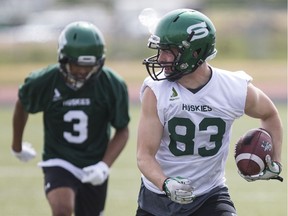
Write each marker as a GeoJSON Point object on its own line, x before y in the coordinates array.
{"type": "Point", "coordinates": [251, 150]}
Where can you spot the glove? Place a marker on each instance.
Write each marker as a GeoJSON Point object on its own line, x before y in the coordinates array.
{"type": "Point", "coordinates": [27, 153]}
{"type": "Point", "coordinates": [272, 171]}
{"type": "Point", "coordinates": [96, 174]}
{"type": "Point", "coordinates": [179, 190]}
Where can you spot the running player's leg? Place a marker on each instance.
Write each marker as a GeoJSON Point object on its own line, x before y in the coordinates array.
{"type": "Point", "coordinates": [60, 188]}
{"type": "Point", "coordinates": [90, 200]}
{"type": "Point", "coordinates": [141, 212]}
{"type": "Point", "coordinates": [217, 205]}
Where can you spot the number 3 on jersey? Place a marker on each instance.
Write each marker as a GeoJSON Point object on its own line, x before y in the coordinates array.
{"type": "Point", "coordinates": [187, 138]}
{"type": "Point", "coordinates": [80, 128]}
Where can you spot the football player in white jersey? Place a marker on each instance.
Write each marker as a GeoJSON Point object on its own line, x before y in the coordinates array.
{"type": "Point", "coordinates": [188, 108]}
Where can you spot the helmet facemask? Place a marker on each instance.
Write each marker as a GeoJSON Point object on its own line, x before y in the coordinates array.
{"type": "Point", "coordinates": [75, 82]}
{"type": "Point", "coordinates": [155, 68]}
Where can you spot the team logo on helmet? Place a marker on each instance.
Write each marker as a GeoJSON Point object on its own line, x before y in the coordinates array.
{"type": "Point", "coordinates": [200, 30]}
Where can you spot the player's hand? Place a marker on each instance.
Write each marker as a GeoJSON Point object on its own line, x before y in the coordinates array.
{"type": "Point", "coordinates": [271, 171]}
{"type": "Point", "coordinates": [96, 174]}
{"type": "Point", "coordinates": [179, 190]}
{"type": "Point", "coordinates": [26, 154]}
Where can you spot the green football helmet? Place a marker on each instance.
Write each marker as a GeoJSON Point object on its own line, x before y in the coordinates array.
{"type": "Point", "coordinates": [80, 43]}
{"type": "Point", "coordinates": [191, 34]}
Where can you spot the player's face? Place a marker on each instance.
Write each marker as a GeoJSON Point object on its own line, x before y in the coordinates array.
{"type": "Point", "coordinates": [166, 59]}
{"type": "Point", "coordinates": [80, 72]}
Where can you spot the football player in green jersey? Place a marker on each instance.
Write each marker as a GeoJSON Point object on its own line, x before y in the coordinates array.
{"type": "Point", "coordinates": [188, 108]}
{"type": "Point", "coordinates": [81, 101]}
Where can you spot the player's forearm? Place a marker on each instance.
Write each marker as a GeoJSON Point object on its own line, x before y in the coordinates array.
{"type": "Point", "coordinates": [151, 169]}
{"type": "Point", "coordinates": [116, 145]}
{"type": "Point", "coordinates": [274, 126]}
{"type": "Point", "coordinates": [19, 121]}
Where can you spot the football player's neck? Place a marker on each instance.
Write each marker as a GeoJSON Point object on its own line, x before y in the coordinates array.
{"type": "Point", "coordinates": [198, 78]}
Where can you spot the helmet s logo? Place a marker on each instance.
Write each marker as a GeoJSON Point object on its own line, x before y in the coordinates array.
{"type": "Point", "coordinates": [200, 30]}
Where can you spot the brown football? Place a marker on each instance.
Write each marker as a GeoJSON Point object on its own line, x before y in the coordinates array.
{"type": "Point", "coordinates": [251, 150]}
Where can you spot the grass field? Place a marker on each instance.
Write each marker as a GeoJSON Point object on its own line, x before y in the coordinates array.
{"type": "Point", "coordinates": [21, 191]}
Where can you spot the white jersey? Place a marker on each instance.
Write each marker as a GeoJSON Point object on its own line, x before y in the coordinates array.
{"type": "Point", "coordinates": [197, 127]}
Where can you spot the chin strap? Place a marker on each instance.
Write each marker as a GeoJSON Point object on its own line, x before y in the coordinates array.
{"type": "Point", "coordinates": [72, 81]}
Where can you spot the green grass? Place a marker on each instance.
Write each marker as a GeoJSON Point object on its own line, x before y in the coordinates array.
{"type": "Point", "coordinates": [21, 190]}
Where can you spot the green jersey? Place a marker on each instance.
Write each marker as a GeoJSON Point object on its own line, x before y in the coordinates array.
{"type": "Point", "coordinates": [77, 123]}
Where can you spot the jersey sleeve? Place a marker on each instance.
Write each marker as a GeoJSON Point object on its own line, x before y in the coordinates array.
{"type": "Point", "coordinates": [119, 105]}
{"type": "Point", "coordinates": [160, 91]}
{"type": "Point", "coordinates": [34, 92]}
{"type": "Point", "coordinates": [243, 75]}
{"type": "Point", "coordinates": [148, 82]}
{"type": "Point", "coordinates": [242, 87]}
